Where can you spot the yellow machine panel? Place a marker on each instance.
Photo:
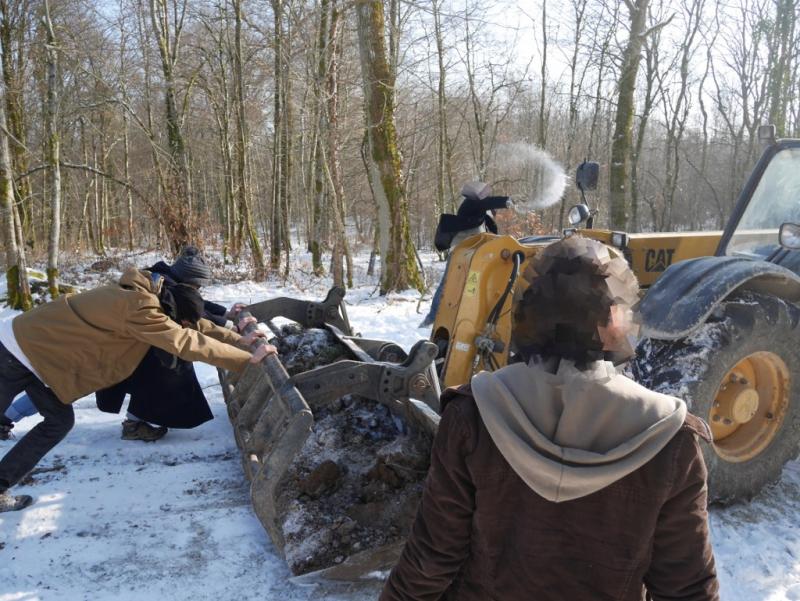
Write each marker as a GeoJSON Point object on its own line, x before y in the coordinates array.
{"type": "Point", "coordinates": [479, 272]}
{"type": "Point", "coordinates": [651, 254]}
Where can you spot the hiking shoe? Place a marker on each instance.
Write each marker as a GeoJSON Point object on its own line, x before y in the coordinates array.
{"type": "Point", "coordinates": [14, 503]}
{"type": "Point", "coordinates": [133, 430]}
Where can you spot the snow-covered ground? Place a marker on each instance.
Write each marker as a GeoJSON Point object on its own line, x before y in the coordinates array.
{"type": "Point", "coordinates": [172, 520]}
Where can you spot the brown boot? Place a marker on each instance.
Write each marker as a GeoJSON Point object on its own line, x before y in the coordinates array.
{"type": "Point", "coordinates": [134, 430]}
{"type": "Point", "coordinates": [14, 503]}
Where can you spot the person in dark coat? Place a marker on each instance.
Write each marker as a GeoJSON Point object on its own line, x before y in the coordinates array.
{"type": "Point", "coordinates": [475, 215]}
{"type": "Point", "coordinates": [164, 390]}
{"type": "Point", "coordinates": [558, 478]}
{"type": "Point", "coordinates": [77, 344]}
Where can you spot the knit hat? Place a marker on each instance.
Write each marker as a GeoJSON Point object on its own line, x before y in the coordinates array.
{"type": "Point", "coordinates": [190, 268]}
{"type": "Point", "coordinates": [182, 303]}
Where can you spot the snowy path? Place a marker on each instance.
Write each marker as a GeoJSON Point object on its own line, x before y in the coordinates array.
{"type": "Point", "coordinates": [128, 520]}
{"type": "Point", "coordinates": [172, 520]}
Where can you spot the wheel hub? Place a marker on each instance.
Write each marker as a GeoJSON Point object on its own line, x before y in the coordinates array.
{"type": "Point", "coordinates": [737, 402]}
{"type": "Point", "coordinates": [749, 406]}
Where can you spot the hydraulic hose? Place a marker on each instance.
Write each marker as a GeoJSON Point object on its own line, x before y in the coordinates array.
{"type": "Point", "coordinates": [494, 314]}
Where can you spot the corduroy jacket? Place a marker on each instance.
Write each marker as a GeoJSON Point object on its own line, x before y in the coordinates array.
{"type": "Point", "coordinates": [482, 534]}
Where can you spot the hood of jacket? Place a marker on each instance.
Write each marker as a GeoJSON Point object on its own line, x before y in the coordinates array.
{"type": "Point", "coordinates": [568, 432]}
{"type": "Point", "coordinates": [142, 281]}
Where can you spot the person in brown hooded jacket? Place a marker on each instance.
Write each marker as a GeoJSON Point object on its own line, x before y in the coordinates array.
{"type": "Point", "coordinates": [557, 478]}
{"type": "Point", "coordinates": [77, 344]}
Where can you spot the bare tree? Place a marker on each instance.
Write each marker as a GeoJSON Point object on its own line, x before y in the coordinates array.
{"type": "Point", "coordinates": [320, 121]}
{"type": "Point", "coordinates": [575, 91]}
{"type": "Point", "coordinates": [651, 91]}
{"type": "Point", "coordinates": [280, 241]}
{"type": "Point", "coordinates": [541, 138]}
{"type": "Point", "coordinates": [19, 292]}
{"type": "Point", "coordinates": [623, 121]}
{"type": "Point", "coordinates": [741, 89]}
{"type": "Point", "coordinates": [492, 97]}
{"type": "Point", "coordinates": [782, 51]}
{"type": "Point", "coordinates": [167, 19]}
{"type": "Point", "coordinates": [14, 44]}
{"type": "Point", "coordinates": [398, 260]}
{"type": "Point", "coordinates": [246, 227]}
{"type": "Point", "coordinates": [444, 151]}
{"type": "Point", "coordinates": [677, 106]}
{"type": "Point", "coordinates": [341, 248]}
{"type": "Point", "coordinates": [52, 152]}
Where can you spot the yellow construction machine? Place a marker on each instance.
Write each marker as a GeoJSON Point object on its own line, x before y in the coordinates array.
{"type": "Point", "coordinates": [720, 322]}
{"type": "Point", "coordinates": [719, 312]}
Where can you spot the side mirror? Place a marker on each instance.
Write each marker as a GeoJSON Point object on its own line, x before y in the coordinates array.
{"type": "Point", "coordinates": [789, 236]}
{"type": "Point", "coordinates": [587, 175]}
{"type": "Point", "coordinates": [578, 214]}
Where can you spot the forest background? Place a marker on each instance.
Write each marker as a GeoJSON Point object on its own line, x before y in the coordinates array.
{"type": "Point", "coordinates": [249, 126]}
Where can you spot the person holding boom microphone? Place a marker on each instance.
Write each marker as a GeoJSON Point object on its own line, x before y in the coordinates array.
{"type": "Point", "coordinates": [474, 216]}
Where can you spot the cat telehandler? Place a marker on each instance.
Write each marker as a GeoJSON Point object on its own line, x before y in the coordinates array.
{"type": "Point", "coordinates": [719, 314]}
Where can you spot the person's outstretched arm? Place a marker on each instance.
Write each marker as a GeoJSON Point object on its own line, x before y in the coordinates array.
{"type": "Point", "coordinates": [476, 207]}
{"type": "Point", "coordinates": [149, 324]}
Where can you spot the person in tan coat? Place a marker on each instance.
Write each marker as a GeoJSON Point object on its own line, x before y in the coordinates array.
{"type": "Point", "coordinates": [557, 478]}
{"type": "Point", "coordinates": [77, 344]}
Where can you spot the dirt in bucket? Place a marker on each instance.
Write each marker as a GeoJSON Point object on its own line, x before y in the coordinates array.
{"type": "Point", "coordinates": [356, 483]}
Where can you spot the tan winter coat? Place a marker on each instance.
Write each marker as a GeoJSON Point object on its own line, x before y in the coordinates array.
{"type": "Point", "coordinates": [85, 342]}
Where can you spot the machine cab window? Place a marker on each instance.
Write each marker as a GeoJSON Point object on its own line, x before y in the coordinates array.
{"type": "Point", "coordinates": [774, 201]}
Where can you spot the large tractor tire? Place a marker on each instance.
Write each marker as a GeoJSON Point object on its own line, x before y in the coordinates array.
{"type": "Point", "coordinates": [738, 372]}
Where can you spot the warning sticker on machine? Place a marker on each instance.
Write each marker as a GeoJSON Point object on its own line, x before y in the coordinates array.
{"type": "Point", "coordinates": [471, 289]}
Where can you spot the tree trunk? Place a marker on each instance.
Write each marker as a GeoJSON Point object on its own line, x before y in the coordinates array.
{"type": "Point", "coordinates": [317, 212]}
{"type": "Point", "coordinates": [623, 120]}
{"type": "Point", "coordinates": [19, 292]}
{"type": "Point", "coordinates": [680, 111]}
{"type": "Point", "coordinates": [287, 169]}
{"type": "Point", "coordinates": [399, 269]}
{"type": "Point", "coordinates": [52, 153]}
{"type": "Point", "coordinates": [479, 150]}
{"type": "Point", "coordinates": [128, 193]}
{"type": "Point", "coordinates": [651, 65]}
{"type": "Point", "coordinates": [178, 195]}
{"type": "Point", "coordinates": [13, 42]}
{"type": "Point", "coordinates": [542, 137]}
{"type": "Point", "coordinates": [575, 92]}
{"type": "Point", "coordinates": [781, 65]}
{"type": "Point", "coordinates": [321, 124]}
{"type": "Point", "coordinates": [279, 184]}
{"type": "Point", "coordinates": [242, 141]}
{"type": "Point", "coordinates": [341, 249]}
{"type": "Point", "coordinates": [445, 196]}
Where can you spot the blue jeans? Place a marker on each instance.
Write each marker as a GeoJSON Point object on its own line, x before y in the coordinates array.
{"type": "Point", "coordinates": [58, 419]}
{"type": "Point", "coordinates": [21, 407]}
